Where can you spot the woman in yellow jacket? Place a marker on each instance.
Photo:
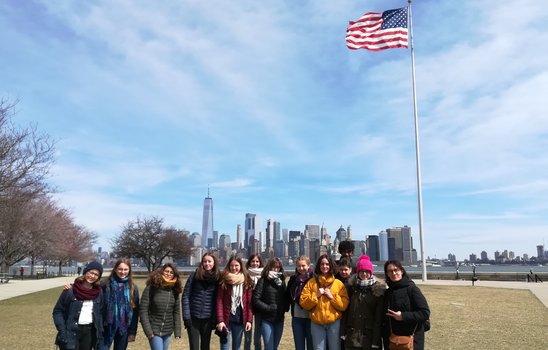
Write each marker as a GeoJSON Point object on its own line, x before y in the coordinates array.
{"type": "Point", "coordinates": [326, 299]}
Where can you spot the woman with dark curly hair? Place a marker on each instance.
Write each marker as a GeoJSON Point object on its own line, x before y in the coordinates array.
{"type": "Point", "coordinates": [160, 308]}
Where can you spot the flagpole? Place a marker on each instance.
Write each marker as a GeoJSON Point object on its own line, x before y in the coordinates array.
{"type": "Point", "coordinates": [417, 146]}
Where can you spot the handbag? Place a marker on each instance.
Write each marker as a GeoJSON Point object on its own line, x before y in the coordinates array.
{"type": "Point", "coordinates": [400, 342]}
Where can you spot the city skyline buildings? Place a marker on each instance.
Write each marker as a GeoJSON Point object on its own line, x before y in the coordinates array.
{"type": "Point", "coordinates": [207, 220]}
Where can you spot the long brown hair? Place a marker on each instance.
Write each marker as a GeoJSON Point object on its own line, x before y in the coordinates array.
{"type": "Point", "coordinates": [248, 283]}
{"type": "Point", "coordinates": [130, 278]}
{"type": "Point", "coordinates": [332, 265]}
{"type": "Point", "coordinates": [215, 271]}
{"type": "Point", "coordinates": [155, 279]}
{"type": "Point", "coordinates": [269, 265]}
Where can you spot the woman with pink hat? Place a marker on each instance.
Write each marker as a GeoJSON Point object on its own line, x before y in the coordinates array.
{"type": "Point", "coordinates": [364, 316]}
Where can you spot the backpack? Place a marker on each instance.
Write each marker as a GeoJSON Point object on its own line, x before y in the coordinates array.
{"type": "Point", "coordinates": [426, 323]}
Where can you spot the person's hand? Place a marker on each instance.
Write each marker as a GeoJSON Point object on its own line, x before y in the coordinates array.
{"type": "Point", "coordinates": [394, 314]}
{"type": "Point", "coordinates": [272, 307]}
{"type": "Point", "coordinates": [221, 326]}
{"type": "Point", "coordinates": [248, 326]}
{"type": "Point", "coordinates": [187, 324]}
{"type": "Point", "coordinates": [328, 294]}
{"type": "Point", "coordinates": [67, 286]}
{"type": "Point", "coordinates": [150, 336]}
{"type": "Point", "coordinates": [321, 292]}
{"type": "Point", "coordinates": [131, 338]}
{"type": "Point", "coordinates": [177, 337]}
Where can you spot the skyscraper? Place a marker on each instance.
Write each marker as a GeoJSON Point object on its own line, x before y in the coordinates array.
{"type": "Point", "coordinates": [239, 237]}
{"type": "Point", "coordinates": [207, 220]}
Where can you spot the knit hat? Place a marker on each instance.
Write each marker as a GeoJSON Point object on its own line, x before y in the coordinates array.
{"type": "Point", "coordinates": [94, 265]}
{"type": "Point", "coordinates": [364, 264]}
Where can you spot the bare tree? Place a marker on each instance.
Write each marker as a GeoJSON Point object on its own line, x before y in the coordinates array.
{"type": "Point", "coordinates": [69, 241]}
{"type": "Point", "coordinates": [25, 158]}
{"type": "Point", "coordinates": [25, 155]}
{"type": "Point", "coordinates": [148, 239]}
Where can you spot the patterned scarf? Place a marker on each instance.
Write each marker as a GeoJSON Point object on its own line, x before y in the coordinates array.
{"type": "Point", "coordinates": [81, 292]}
{"type": "Point", "coordinates": [300, 281]}
{"type": "Point", "coordinates": [119, 311]}
{"type": "Point", "coordinates": [255, 274]}
{"type": "Point", "coordinates": [366, 283]}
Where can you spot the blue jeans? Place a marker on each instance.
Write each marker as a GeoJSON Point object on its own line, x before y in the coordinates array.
{"type": "Point", "coordinates": [120, 342]}
{"type": "Point", "coordinates": [236, 332]}
{"type": "Point", "coordinates": [256, 335]}
{"type": "Point", "coordinates": [272, 334]}
{"type": "Point", "coordinates": [326, 334]}
{"type": "Point", "coordinates": [160, 342]}
{"type": "Point", "coordinates": [301, 333]}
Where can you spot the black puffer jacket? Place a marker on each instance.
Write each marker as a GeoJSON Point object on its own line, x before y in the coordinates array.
{"type": "Point", "coordinates": [270, 301]}
{"type": "Point", "coordinates": [406, 297]}
{"type": "Point", "coordinates": [199, 298]}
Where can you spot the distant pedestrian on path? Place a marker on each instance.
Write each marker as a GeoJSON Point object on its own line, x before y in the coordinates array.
{"type": "Point", "coordinates": [77, 314]}
{"type": "Point", "coordinates": [160, 308]}
{"type": "Point", "coordinates": [21, 271]}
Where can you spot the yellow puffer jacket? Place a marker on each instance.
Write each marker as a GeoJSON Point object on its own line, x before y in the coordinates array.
{"type": "Point", "coordinates": [322, 310]}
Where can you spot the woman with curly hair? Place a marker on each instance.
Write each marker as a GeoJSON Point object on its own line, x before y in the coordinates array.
{"type": "Point", "coordinates": [160, 308]}
{"type": "Point", "coordinates": [199, 302]}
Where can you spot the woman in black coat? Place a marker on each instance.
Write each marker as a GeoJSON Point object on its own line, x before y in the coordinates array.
{"type": "Point", "coordinates": [270, 303]}
{"type": "Point", "coordinates": [406, 306]}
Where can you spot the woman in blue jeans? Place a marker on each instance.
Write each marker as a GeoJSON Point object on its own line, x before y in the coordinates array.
{"type": "Point", "coordinates": [255, 267]}
{"type": "Point", "coordinates": [300, 322]}
{"type": "Point", "coordinates": [234, 313]}
{"type": "Point", "coordinates": [160, 307]}
{"type": "Point", "coordinates": [270, 303]}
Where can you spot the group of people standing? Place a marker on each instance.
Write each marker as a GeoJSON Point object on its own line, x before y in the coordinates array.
{"type": "Point", "coordinates": [336, 305]}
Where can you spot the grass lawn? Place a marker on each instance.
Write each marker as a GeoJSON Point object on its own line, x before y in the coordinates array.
{"type": "Point", "coordinates": [462, 318]}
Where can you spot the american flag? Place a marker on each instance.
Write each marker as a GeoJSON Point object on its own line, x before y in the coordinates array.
{"type": "Point", "coordinates": [378, 30]}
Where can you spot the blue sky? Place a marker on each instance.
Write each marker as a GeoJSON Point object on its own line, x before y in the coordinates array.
{"type": "Point", "coordinates": [152, 101]}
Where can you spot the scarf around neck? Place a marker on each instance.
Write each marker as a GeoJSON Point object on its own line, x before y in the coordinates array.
{"type": "Point", "coordinates": [168, 283]}
{"type": "Point", "coordinates": [366, 283]}
{"type": "Point", "coordinates": [300, 281]}
{"type": "Point", "coordinates": [275, 276]}
{"type": "Point", "coordinates": [119, 310]}
{"type": "Point", "coordinates": [234, 279]}
{"type": "Point", "coordinates": [81, 292]}
{"type": "Point", "coordinates": [325, 281]}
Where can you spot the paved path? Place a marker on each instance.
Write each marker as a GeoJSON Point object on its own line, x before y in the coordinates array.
{"type": "Point", "coordinates": [17, 287]}
{"type": "Point", "coordinates": [540, 290]}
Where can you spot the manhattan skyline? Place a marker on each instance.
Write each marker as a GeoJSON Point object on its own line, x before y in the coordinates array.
{"type": "Point", "coordinates": [263, 101]}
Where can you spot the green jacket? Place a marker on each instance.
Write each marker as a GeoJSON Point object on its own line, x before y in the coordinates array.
{"type": "Point", "coordinates": [160, 312]}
